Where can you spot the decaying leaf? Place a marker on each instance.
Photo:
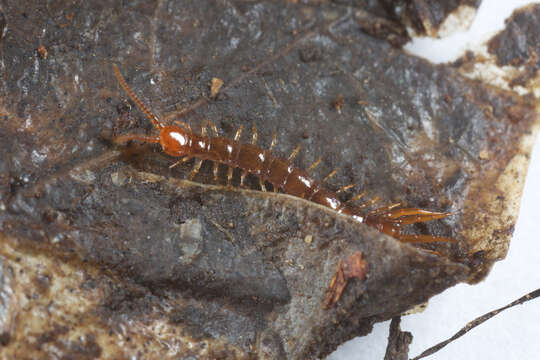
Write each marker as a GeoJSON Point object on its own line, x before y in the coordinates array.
{"type": "Point", "coordinates": [106, 251]}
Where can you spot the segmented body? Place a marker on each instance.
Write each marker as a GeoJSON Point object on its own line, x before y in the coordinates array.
{"type": "Point", "coordinates": [279, 172]}
{"type": "Point", "coordinates": [181, 142]}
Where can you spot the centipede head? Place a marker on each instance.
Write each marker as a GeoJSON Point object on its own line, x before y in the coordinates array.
{"type": "Point", "coordinates": [175, 140]}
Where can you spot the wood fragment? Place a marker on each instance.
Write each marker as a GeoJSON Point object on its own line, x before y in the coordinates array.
{"type": "Point", "coordinates": [215, 85]}
{"type": "Point", "coordinates": [354, 266]}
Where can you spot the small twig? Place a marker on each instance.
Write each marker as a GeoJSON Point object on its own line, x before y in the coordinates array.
{"type": "Point", "coordinates": [471, 325]}
{"type": "Point", "coordinates": [223, 230]}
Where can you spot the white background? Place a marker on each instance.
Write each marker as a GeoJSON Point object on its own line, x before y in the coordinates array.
{"type": "Point", "coordinates": [515, 333]}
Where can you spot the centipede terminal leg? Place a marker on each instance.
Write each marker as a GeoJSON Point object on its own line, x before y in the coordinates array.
{"type": "Point", "coordinates": [415, 215]}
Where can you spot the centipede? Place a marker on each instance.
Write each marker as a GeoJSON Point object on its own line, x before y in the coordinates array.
{"type": "Point", "coordinates": [180, 141]}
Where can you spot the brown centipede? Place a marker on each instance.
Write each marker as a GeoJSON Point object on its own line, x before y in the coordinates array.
{"type": "Point", "coordinates": [182, 142]}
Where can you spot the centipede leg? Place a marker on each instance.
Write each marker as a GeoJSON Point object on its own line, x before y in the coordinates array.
{"type": "Point", "coordinates": [238, 133]}
{"type": "Point", "coordinates": [369, 202]}
{"type": "Point", "coordinates": [255, 135]}
{"type": "Point", "coordinates": [196, 169]}
{"type": "Point", "coordinates": [345, 188]}
{"type": "Point", "coordinates": [229, 175]}
{"type": "Point", "coordinates": [329, 176]}
{"type": "Point", "coordinates": [356, 197]}
{"type": "Point", "coordinates": [295, 152]}
{"type": "Point", "coordinates": [384, 209]}
{"type": "Point", "coordinates": [213, 127]}
{"type": "Point", "coordinates": [184, 124]}
{"type": "Point", "coordinates": [274, 140]}
{"type": "Point", "coordinates": [216, 170]}
{"type": "Point", "coordinates": [261, 183]}
{"type": "Point", "coordinates": [243, 178]}
{"type": "Point", "coordinates": [182, 160]}
{"type": "Point", "coordinates": [314, 165]}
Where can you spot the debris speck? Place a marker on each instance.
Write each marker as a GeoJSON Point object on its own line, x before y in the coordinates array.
{"type": "Point", "coordinates": [42, 52]}
{"type": "Point", "coordinates": [118, 178]}
{"type": "Point", "coordinates": [483, 155]}
{"type": "Point", "coordinates": [338, 103]}
{"type": "Point", "coordinates": [216, 84]}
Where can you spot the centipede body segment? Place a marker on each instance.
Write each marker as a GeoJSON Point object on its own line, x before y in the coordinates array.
{"type": "Point", "coordinates": [181, 142]}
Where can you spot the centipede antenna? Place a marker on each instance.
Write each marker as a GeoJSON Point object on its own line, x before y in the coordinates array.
{"type": "Point", "coordinates": [238, 133]}
{"type": "Point", "coordinates": [294, 152]}
{"type": "Point", "coordinates": [345, 188]}
{"type": "Point", "coordinates": [329, 176]}
{"type": "Point", "coordinates": [314, 165]}
{"type": "Point", "coordinates": [255, 135]}
{"type": "Point", "coordinates": [134, 97]}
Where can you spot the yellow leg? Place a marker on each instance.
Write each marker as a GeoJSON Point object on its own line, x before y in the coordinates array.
{"type": "Point", "coordinates": [216, 170]}
{"type": "Point", "coordinates": [196, 169]}
{"type": "Point", "coordinates": [294, 152]}
{"type": "Point", "coordinates": [183, 160]}
{"type": "Point", "coordinates": [255, 135]}
{"type": "Point", "coordinates": [238, 133]}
